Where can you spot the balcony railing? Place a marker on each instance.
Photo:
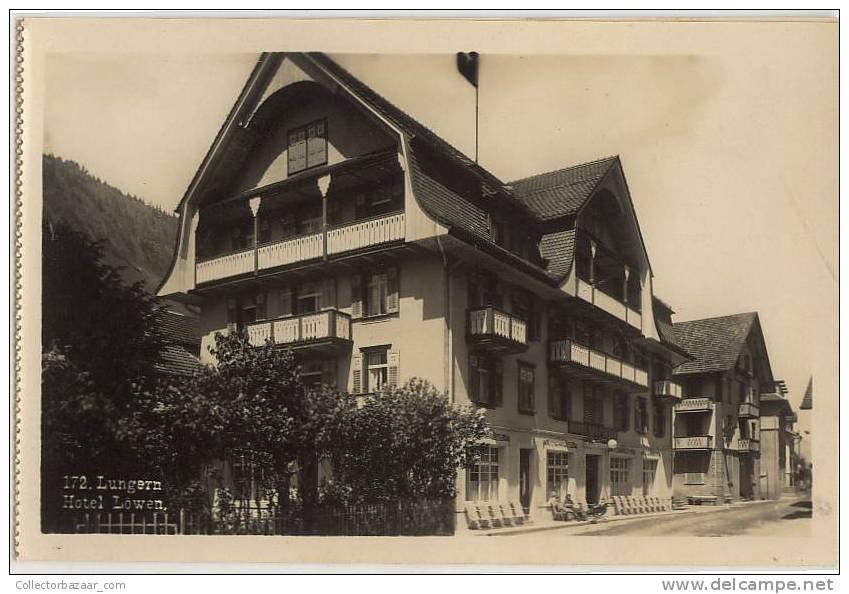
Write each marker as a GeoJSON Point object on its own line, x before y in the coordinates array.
{"type": "Point", "coordinates": [492, 328]}
{"type": "Point", "coordinates": [611, 305]}
{"type": "Point", "coordinates": [234, 264]}
{"type": "Point", "coordinates": [322, 327]}
{"type": "Point", "coordinates": [365, 234]}
{"type": "Point", "coordinates": [595, 363]}
{"type": "Point", "coordinates": [593, 431]}
{"type": "Point", "coordinates": [747, 409]}
{"type": "Point", "coordinates": [748, 445]}
{"type": "Point", "coordinates": [696, 442]}
{"type": "Point", "coordinates": [297, 249]}
{"type": "Point", "coordinates": [668, 390]}
{"type": "Point", "coordinates": [356, 236]}
{"type": "Point", "coordinates": [694, 405]}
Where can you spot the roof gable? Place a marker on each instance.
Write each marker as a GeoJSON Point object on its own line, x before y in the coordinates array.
{"type": "Point", "coordinates": [714, 343]}
{"type": "Point", "coordinates": [561, 193]}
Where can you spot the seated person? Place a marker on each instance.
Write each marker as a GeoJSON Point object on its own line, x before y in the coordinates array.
{"type": "Point", "coordinates": [558, 511]}
{"type": "Point", "coordinates": [576, 510]}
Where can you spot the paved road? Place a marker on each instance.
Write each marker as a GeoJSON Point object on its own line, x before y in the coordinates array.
{"type": "Point", "coordinates": [786, 517]}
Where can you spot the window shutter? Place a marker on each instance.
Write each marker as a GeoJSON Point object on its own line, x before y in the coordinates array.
{"type": "Point", "coordinates": [474, 378]}
{"type": "Point", "coordinates": [393, 374]}
{"type": "Point", "coordinates": [356, 296]}
{"type": "Point", "coordinates": [392, 290]}
{"type": "Point", "coordinates": [286, 302]}
{"type": "Point", "coordinates": [498, 382]}
{"type": "Point", "coordinates": [316, 145]}
{"type": "Point", "coordinates": [232, 315]}
{"type": "Point", "coordinates": [357, 364]}
{"type": "Point", "coordinates": [261, 307]}
{"type": "Point", "coordinates": [297, 153]}
{"type": "Point", "coordinates": [328, 294]}
{"type": "Point", "coordinates": [554, 400]}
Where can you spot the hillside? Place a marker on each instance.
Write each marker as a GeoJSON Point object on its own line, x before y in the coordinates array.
{"type": "Point", "coordinates": [136, 236]}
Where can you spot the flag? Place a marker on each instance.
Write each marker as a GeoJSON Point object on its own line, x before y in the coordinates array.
{"type": "Point", "coordinates": [808, 400]}
{"type": "Point", "coordinates": [467, 64]}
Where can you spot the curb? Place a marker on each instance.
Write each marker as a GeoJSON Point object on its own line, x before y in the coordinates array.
{"type": "Point", "coordinates": [565, 526]}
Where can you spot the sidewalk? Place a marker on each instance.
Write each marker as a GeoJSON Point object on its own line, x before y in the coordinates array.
{"type": "Point", "coordinates": [573, 527]}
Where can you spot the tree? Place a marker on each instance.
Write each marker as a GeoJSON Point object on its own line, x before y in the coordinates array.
{"type": "Point", "coordinates": [99, 340]}
{"type": "Point", "coordinates": [253, 399]}
{"type": "Point", "coordinates": [403, 443]}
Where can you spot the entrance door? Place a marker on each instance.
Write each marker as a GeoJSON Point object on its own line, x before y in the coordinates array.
{"type": "Point", "coordinates": [525, 485]}
{"type": "Point", "coordinates": [746, 472]}
{"type": "Point", "coordinates": [592, 478]}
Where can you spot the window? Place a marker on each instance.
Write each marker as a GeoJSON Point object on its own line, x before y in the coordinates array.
{"type": "Point", "coordinates": [649, 472]}
{"type": "Point", "coordinates": [621, 411]}
{"type": "Point", "coordinates": [307, 146]}
{"type": "Point", "coordinates": [557, 473]}
{"type": "Point", "coordinates": [526, 388]}
{"type": "Point", "coordinates": [376, 292]}
{"type": "Point", "coordinates": [485, 380]}
{"type": "Point", "coordinates": [641, 421]}
{"type": "Point", "coordinates": [559, 397]}
{"type": "Point", "coordinates": [248, 475]}
{"type": "Point", "coordinates": [309, 299]}
{"type": "Point", "coordinates": [377, 370]}
{"type": "Point", "coordinates": [317, 372]}
{"type": "Point", "coordinates": [659, 420]}
{"type": "Point", "coordinates": [620, 475]}
{"type": "Point", "coordinates": [482, 476]}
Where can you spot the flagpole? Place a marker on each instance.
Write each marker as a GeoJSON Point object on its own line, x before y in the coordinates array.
{"type": "Point", "coordinates": [477, 90]}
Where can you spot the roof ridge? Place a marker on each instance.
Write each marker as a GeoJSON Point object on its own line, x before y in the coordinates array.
{"type": "Point", "coordinates": [737, 315]}
{"type": "Point", "coordinates": [563, 169]}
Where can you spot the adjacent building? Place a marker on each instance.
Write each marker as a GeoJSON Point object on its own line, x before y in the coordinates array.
{"type": "Point", "coordinates": [717, 428]}
{"type": "Point", "coordinates": [327, 220]}
{"type": "Point", "coordinates": [779, 445]}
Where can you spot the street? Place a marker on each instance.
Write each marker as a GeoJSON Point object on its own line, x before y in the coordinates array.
{"type": "Point", "coordinates": [785, 517]}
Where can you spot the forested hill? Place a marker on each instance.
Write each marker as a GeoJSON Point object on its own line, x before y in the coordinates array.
{"type": "Point", "coordinates": [136, 236]}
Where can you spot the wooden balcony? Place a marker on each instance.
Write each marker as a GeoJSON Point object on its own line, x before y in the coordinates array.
{"type": "Point", "coordinates": [343, 240]}
{"type": "Point", "coordinates": [668, 390]}
{"type": "Point", "coordinates": [496, 331]}
{"type": "Point", "coordinates": [593, 365]}
{"type": "Point", "coordinates": [363, 234]}
{"type": "Point", "coordinates": [231, 265]}
{"type": "Point", "coordinates": [747, 446]}
{"type": "Point", "coordinates": [593, 431]}
{"type": "Point", "coordinates": [694, 442]}
{"type": "Point", "coordinates": [290, 251]}
{"type": "Point", "coordinates": [747, 409]}
{"type": "Point", "coordinates": [694, 405]}
{"type": "Point", "coordinates": [611, 305]}
{"type": "Point", "coordinates": [325, 331]}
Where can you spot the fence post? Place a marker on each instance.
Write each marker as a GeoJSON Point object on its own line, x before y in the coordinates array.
{"type": "Point", "coordinates": [182, 521]}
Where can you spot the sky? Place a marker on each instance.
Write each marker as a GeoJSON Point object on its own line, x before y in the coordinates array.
{"type": "Point", "coordinates": [731, 161]}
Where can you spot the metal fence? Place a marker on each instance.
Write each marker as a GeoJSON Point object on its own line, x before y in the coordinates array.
{"type": "Point", "coordinates": [381, 519]}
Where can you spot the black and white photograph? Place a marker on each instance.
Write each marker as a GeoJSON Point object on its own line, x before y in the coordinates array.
{"type": "Point", "coordinates": [484, 290]}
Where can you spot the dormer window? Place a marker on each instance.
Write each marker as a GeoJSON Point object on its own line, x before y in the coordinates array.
{"type": "Point", "coordinates": [307, 146]}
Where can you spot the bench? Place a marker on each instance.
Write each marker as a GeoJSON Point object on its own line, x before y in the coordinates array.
{"type": "Point", "coordinates": [482, 515]}
{"type": "Point", "coordinates": [702, 499]}
{"type": "Point", "coordinates": [627, 505]}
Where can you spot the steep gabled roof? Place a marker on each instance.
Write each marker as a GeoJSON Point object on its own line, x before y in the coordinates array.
{"type": "Point", "coordinates": [715, 343]}
{"type": "Point", "coordinates": [181, 343]}
{"type": "Point", "coordinates": [414, 129]}
{"type": "Point", "coordinates": [180, 329]}
{"type": "Point", "coordinates": [561, 193]}
{"type": "Point", "coordinates": [775, 405]}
